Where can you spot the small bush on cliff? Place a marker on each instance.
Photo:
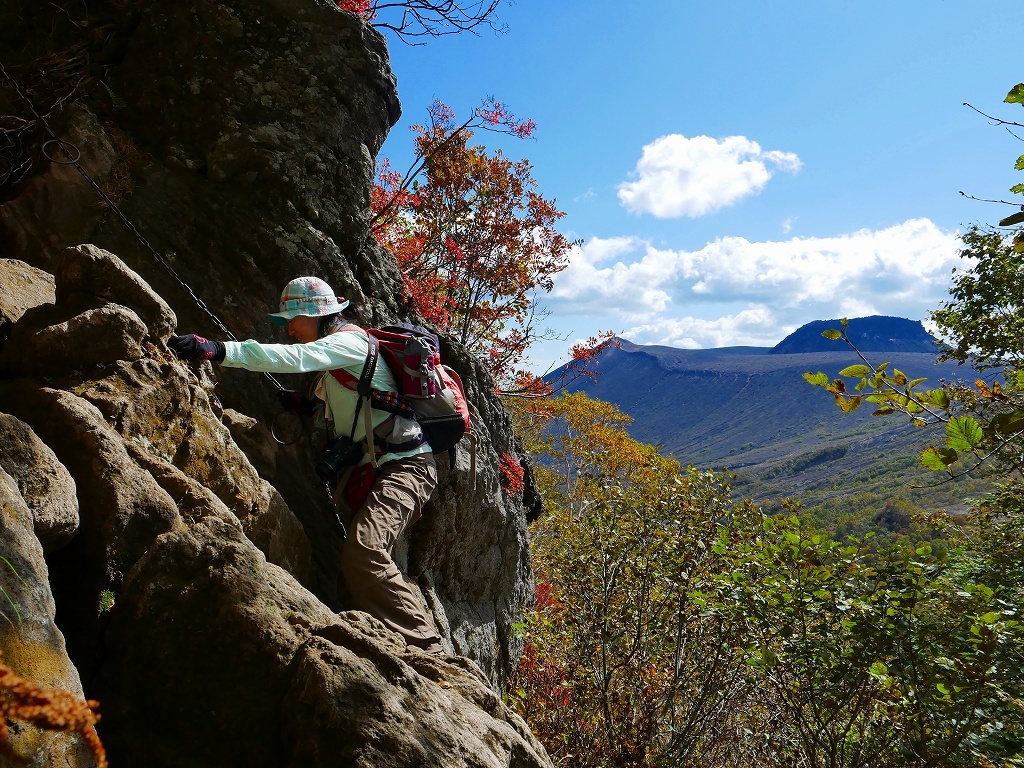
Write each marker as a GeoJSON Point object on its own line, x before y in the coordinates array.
{"type": "Point", "coordinates": [412, 19]}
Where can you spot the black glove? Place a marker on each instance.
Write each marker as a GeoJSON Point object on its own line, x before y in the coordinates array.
{"type": "Point", "coordinates": [192, 347]}
{"type": "Point", "coordinates": [294, 401]}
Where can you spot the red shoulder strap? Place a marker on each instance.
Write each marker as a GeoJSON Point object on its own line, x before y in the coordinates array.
{"type": "Point", "coordinates": [343, 377]}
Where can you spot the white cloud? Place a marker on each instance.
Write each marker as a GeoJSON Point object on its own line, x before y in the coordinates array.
{"type": "Point", "coordinates": [712, 296]}
{"type": "Point", "coordinates": [756, 326]}
{"type": "Point", "coordinates": [679, 176]}
{"type": "Point", "coordinates": [787, 224]}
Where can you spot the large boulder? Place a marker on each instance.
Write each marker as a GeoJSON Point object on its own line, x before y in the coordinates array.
{"type": "Point", "coordinates": [158, 405]}
{"type": "Point", "coordinates": [283, 681]}
{"type": "Point", "coordinates": [122, 508]}
{"type": "Point", "coordinates": [44, 483]}
{"type": "Point", "coordinates": [31, 644]}
{"type": "Point", "coordinates": [22, 287]}
{"type": "Point", "coordinates": [40, 347]}
{"type": "Point", "coordinates": [88, 277]}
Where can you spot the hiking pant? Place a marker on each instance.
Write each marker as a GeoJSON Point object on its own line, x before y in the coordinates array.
{"type": "Point", "coordinates": [395, 502]}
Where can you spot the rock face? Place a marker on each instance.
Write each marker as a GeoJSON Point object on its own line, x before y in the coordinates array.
{"type": "Point", "coordinates": [21, 287]}
{"type": "Point", "coordinates": [31, 642]}
{"type": "Point", "coordinates": [193, 561]}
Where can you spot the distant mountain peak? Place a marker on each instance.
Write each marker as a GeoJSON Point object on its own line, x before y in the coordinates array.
{"type": "Point", "coordinates": [878, 333]}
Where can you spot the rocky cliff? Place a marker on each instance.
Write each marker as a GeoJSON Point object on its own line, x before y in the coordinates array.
{"type": "Point", "coordinates": [163, 554]}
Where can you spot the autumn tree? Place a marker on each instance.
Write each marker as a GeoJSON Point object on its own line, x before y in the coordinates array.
{"type": "Point", "coordinates": [621, 668]}
{"type": "Point", "coordinates": [411, 20]}
{"type": "Point", "coordinates": [886, 658]}
{"type": "Point", "coordinates": [476, 243]}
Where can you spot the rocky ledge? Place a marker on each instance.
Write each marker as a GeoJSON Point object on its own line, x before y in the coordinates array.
{"type": "Point", "coordinates": [148, 565]}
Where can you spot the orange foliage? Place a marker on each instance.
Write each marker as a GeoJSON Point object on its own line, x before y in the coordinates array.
{"type": "Point", "coordinates": [48, 708]}
{"type": "Point", "coordinates": [475, 241]}
{"type": "Point", "coordinates": [511, 475]}
{"type": "Point", "coordinates": [361, 8]}
{"type": "Point", "coordinates": [583, 362]}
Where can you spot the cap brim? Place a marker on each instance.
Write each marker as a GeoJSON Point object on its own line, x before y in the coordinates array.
{"type": "Point", "coordinates": [282, 318]}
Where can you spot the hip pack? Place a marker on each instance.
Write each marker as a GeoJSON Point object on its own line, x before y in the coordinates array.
{"type": "Point", "coordinates": [428, 391]}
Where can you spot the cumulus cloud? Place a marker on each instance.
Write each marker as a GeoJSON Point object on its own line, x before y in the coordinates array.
{"type": "Point", "coordinates": [680, 176]}
{"type": "Point", "coordinates": [755, 290]}
{"type": "Point", "coordinates": [756, 326]}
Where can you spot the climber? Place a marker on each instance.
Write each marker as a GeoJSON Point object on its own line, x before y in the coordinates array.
{"type": "Point", "coordinates": [403, 481]}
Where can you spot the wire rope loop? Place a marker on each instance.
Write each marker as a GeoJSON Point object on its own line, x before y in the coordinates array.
{"type": "Point", "coordinates": [69, 159]}
{"type": "Point", "coordinates": [276, 426]}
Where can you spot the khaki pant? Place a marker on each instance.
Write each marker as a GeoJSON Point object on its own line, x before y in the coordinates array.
{"type": "Point", "coordinates": [377, 587]}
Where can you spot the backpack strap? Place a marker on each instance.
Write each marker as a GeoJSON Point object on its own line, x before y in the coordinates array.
{"type": "Point", "coordinates": [342, 376]}
{"type": "Point", "coordinates": [363, 388]}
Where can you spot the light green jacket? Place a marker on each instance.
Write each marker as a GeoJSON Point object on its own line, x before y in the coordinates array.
{"type": "Point", "coordinates": [343, 349]}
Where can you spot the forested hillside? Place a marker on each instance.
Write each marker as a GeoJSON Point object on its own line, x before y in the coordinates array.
{"type": "Point", "coordinates": [749, 410]}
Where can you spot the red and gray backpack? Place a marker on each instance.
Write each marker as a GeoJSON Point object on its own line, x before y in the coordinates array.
{"type": "Point", "coordinates": [428, 391]}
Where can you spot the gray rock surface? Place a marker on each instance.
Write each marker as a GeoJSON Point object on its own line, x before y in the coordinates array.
{"type": "Point", "coordinates": [44, 483]}
{"type": "Point", "coordinates": [58, 207]}
{"type": "Point", "coordinates": [38, 347]}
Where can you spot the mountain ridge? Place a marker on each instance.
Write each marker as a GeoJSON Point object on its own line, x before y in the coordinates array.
{"type": "Point", "coordinates": [749, 410]}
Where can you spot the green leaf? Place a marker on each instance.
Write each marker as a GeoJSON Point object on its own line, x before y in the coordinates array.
{"type": "Point", "coordinates": [856, 371]}
{"type": "Point", "coordinates": [937, 397]}
{"type": "Point", "coordinates": [899, 378]}
{"type": "Point", "coordinates": [1017, 189]}
{"type": "Point", "coordinates": [938, 459]}
{"type": "Point", "coordinates": [1016, 94]}
{"type": "Point", "coordinates": [881, 368]}
{"type": "Point", "coordinates": [1019, 165]}
{"type": "Point", "coordinates": [914, 382]}
{"type": "Point", "coordinates": [878, 669]}
{"type": "Point", "coordinates": [942, 689]}
{"type": "Point", "coordinates": [844, 322]}
{"type": "Point", "coordinates": [924, 549]}
{"type": "Point", "coordinates": [883, 411]}
{"type": "Point", "coordinates": [817, 379]}
{"type": "Point", "coordinates": [1012, 219]}
{"type": "Point", "coordinates": [832, 333]}
{"type": "Point", "coordinates": [963, 433]}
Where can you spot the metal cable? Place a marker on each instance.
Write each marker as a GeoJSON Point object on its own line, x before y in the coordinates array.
{"type": "Point", "coordinates": [73, 160]}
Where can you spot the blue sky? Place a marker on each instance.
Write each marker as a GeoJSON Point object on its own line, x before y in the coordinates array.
{"type": "Point", "coordinates": [738, 168]}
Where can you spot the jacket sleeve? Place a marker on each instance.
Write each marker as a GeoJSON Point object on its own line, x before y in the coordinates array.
{"type": "Point", "coordinates": [339, 350]}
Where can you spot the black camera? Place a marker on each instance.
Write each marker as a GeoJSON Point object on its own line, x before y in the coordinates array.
{"type": "Point", "coordinates": [339, 454]}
